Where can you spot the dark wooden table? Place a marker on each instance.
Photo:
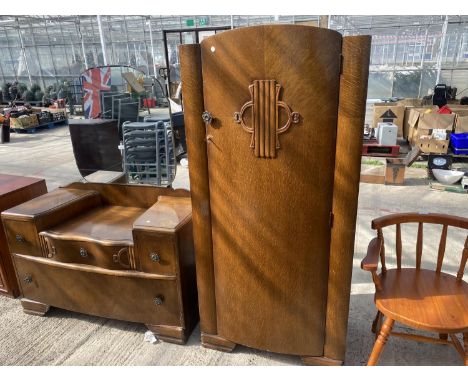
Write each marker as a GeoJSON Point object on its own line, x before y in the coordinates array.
{"type": "Point", "coordinates": [14, 190]}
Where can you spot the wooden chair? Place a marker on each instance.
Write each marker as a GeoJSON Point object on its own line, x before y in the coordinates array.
{"type": "Point", "coordinates": [422, 299]}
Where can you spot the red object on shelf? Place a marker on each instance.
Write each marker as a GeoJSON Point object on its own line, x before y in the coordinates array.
{"type": "Point", "coordinates": [444, 110]}
{"type": "Point", "coordinates": [149, 102]}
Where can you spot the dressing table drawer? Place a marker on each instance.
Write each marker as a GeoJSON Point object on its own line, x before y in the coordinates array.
{"type": "Point", "coordinates": [118, 257]}
{"type": "Point", "coordinates": [124, 295]}
{"type": "Point", "coordinates": [156, 252]}
{"type": "Point", "coordinates": [22, 237]}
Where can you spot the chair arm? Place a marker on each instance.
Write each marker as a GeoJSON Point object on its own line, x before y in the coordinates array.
{"type": "Point", "coordinates": [371, 261]}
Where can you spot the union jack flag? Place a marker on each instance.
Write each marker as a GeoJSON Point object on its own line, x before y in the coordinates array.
{"type": "Point", "coordinates": [94, 80]}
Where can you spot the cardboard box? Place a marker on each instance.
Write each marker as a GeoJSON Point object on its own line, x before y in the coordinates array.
{"type": "Point", "coordinates": [395, 171]}
{"type": "Point", "coordinates": [24, 122]}
{"type": "Point", "coordinates": [422, 124]}
{"type": "Point", "coordinates": [461, 124]}
{"type": "Point", "coordinates": [429, 121]}
{"type": "Point", "coordinates": [413, 118]}
{"type": "Point", "coordinates": [413, 102]}
{"type": "Point", "coordinates": [430, 145]}
{"type": "Point", "coordinates": [461, 110]}
{"type": "Point", "coordinates": [421, 129]}
{"type": "Point", "coordinates": [406, 124]}
{"type": "Point", "coordinates": [389, 112]}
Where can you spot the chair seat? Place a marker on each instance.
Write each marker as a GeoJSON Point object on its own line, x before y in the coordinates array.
{"type": "Point", "coordinates": [423, 299]}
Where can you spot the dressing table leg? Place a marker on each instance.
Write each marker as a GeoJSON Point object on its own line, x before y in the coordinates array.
{"type": "Point", "coordinates": [33, 307]}
{"type": "Point", "coordinates": [171, 334]}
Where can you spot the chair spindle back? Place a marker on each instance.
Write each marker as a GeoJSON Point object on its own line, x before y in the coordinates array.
{"type": "Point", "coordinates": [441, 219]}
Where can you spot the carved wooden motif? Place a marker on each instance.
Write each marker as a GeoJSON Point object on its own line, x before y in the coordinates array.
{"type": "Point", "coordinates": [265, 107]}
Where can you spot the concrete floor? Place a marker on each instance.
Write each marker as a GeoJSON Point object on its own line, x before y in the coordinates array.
{"type": "Point", "coordinates": [67, 338]}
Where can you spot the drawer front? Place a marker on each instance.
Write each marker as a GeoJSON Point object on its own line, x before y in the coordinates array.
{"type": "Point", "coordinates": [100, 292]}
{"type": "Point", "coordinates": [156, 252]}
{"type": "Point", "coordinates": [89, 253]}
{"type": "Point", "coordinates": [22, 237]}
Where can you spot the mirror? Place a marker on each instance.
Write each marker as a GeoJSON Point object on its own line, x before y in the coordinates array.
{"type": "Point", "coordinates": [125, 135]}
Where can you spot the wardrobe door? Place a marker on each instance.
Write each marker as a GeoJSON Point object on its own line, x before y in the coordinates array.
{"type": "Point", "coordinates": [271, 101]}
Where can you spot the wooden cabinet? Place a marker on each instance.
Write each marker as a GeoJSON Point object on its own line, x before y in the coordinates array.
{"type": "Point", "coordinates": [116, 251]}
{"type": "Point", "coordinates": [14, 190]}
{"type": "Point", "coordinates": [274, 118]}
{"type": "Point", "coordinates": [96, 145]}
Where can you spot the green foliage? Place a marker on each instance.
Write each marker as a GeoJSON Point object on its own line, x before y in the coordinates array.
{"type": "Point", "coordinates": [38, 95]}
{"type": "Point", "coordinates": [372, 162]}
{"type": "Point", "coordinates": [22, 89]}
{"type": "Point", "coordinates": [419, 165]}
{"type": "Point", "coordinates": [28, 95]}
{"type": "Point", "coordinates": [35, 88]}
{"type": "Point", "coordinates": [6, 91]}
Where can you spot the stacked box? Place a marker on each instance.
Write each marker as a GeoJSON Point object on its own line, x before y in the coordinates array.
{"type": "Point", "coordinates": [389, 112]}
{"type": "Point", "coordinates": [425, 126]}
{"type": "Point", "coordinates": [406, 118]}
{"type": "Point", "coordinates": [411, 102]}
{"type": "Point", "coordinates": [58, 114]}
{"type": "Point", "coordinates": [44, 117]}
{"type": "Point", "coordinates": [24, 122]}
{"type": "Point", "coordinates": [461, 124]}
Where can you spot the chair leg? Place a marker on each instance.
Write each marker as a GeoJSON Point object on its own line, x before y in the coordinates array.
{"type": "Point", "coordinates": [380, 342]}
{"type": "Point", "coordinates": [375, 323]}
{"type": "Point", "coordinates": [465, 342]}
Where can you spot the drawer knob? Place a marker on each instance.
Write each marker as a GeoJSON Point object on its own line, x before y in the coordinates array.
{"type": "Point", "coordinates": [154, 257]}
{"type": "Point", "coordinates": [159, 300]}
{"type": "Point", "coordinates": [83, 252]}
{"type": "Point", "coordinates": [28, 279]}
{"type": "Point", "coordinates": [20, 239]}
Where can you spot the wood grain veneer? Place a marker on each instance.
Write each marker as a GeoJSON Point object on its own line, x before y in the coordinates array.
{"type": "Point", "coordinates": [14, 190]}
{"type": "Point", "coordinates": [269, 265]}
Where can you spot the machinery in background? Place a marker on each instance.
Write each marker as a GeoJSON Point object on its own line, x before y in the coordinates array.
{"type": "Point", "coordinates": [442, 94]}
